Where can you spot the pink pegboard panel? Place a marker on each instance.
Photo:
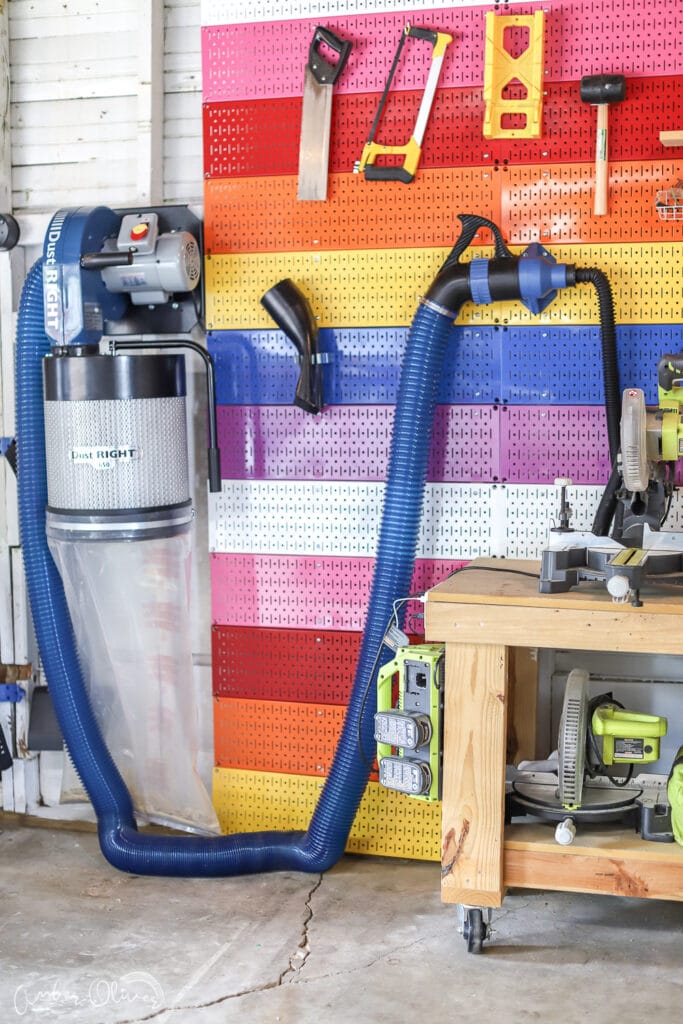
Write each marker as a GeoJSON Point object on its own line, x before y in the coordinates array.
{"type": "Point", "coordinates": [554, 204]}
{"type": "Point", "coordinates": [261, 137]}
{"type": "Point", "coordinates": [301, 592]}
{"type": "Point", "coordinates": [541, 443]}
{"type": "Point", "coordinates": [582, 37]}
{"type": "Point", "coordinates": [351, 443]}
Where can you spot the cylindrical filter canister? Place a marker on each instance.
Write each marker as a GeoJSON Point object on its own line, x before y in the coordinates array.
{"type": "Point", "coordinates": [116, 445]}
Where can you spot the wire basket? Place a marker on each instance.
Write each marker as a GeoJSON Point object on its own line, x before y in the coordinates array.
{"type": "Point", "coordinates": [669, 202]}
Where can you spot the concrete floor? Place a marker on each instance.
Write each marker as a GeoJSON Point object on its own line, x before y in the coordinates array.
{"type": "Point", "coordinates": [368, 942]}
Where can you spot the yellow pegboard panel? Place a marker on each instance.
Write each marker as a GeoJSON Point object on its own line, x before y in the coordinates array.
{"type": "Point", "coordinates": [264, 215]}
{"type": "Point", "coordinates": [521, 73]}
{"type": "Point", "coordinates": [380, 288]}
{"type": "Point", "coordinates": [553, 203]}
{"type": "Point", "coordinates": [387, 824]}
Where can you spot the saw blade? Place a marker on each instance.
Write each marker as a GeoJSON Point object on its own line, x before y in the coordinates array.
{"type": "Point", "coordinates": [571, 743]}
{"type": "Point", "coordinates": [314, 145]}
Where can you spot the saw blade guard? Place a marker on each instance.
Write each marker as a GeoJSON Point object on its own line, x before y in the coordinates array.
{"type": "Point", "coordinates": [634, 440]}
{"type": "Point", "coordinates": [572, 739]}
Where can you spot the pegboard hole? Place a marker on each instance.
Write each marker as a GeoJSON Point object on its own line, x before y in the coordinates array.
{"type": "Point", "coordinates": [513, 121]}
{"type": "Point", "coordinates": [516, 39]}
{"type": "Point", "coordinates": [516, 90]}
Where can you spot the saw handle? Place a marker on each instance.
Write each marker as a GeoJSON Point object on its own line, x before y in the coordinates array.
{"type": "Point", "coordinates": [321, 69]}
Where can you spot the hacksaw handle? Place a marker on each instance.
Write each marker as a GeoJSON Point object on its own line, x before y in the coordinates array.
{"type": "Point", "coordinates": [601, 163]}
{"type": "Point", "coordinates": [404, 172]}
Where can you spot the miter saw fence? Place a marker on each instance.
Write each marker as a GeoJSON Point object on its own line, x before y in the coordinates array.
{"type": "Point", "coordinates": [634, 506]}
{"type": "Point", "coordinates": [579, 781]}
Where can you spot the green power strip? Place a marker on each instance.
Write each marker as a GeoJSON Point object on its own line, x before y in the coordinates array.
{"type": "Point", "coordinates": [409, 732]}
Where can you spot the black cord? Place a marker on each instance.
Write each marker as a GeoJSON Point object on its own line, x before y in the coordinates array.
{"type": "Point", "coordinates": [493, 568]}
{"type": "Point", "coordinates": [394, 616]}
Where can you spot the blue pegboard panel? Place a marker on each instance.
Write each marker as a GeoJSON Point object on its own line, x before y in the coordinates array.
{"type": "Point", "coordinates": [563, 365]}
{"type": "Point", "coordinates": [260, 367]}
{"type": "Point", "coordinates": [559, 365]}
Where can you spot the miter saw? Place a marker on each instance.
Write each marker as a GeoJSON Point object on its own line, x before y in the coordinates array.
{"type": "Point", "coordinates": [634, 506]}
{"type": "Point", "coordinates": [580, 782]}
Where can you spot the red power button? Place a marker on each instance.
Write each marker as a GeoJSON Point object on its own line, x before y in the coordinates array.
{"type": "Point", "coordinates": [139, 232]}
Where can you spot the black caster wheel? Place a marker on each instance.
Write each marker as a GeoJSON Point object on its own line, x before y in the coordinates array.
{"type": "Point", "coordinates": [474, 930]}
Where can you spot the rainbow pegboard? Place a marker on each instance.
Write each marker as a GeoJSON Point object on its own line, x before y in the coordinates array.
{"type": "Point", "coordinates": [293, 532]}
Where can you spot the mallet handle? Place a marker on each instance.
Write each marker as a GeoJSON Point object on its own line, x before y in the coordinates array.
{"type": "Point", "coordinates": [601, 163]}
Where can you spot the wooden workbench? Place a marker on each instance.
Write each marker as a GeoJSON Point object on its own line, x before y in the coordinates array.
{"type": "Point", "coordinates": [486, 618]}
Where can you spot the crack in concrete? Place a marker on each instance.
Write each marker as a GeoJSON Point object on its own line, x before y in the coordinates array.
{"type": "Point", "coordinates": [297, 960]}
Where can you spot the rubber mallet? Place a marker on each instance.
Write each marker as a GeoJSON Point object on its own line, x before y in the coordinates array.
{"type": "Point", "coordinates": [600, 91]}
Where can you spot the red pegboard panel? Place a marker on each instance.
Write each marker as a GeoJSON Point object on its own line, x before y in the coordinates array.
{"type": "Point", "coordinates": [314, 666]}
{"type": "Point", "coordinates": [261, 137]}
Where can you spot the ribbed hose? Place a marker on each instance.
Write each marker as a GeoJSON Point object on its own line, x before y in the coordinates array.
{"type": "Point", "coordinates": [610, 364]}
{"type": "Point", "coordinates": [612, 388]}
{"type": "Point", "coordinates": [324, 842]}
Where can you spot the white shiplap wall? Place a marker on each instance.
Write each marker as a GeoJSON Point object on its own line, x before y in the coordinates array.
{"type": "Point", "coordinates": [75, 87]}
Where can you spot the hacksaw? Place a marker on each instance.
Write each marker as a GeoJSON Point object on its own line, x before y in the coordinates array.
{"type": "Point", "coordinates": [412, 150]}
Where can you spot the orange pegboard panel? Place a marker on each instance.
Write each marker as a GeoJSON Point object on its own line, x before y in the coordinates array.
{"type": "Point", "coordinates": [276, 736]}
{"type": "Point", "coordinates": [263, 214]}
{"type": "Point", "coordinates": [387, 824]}
{"type": "Point", "coordinates": [554, 203]}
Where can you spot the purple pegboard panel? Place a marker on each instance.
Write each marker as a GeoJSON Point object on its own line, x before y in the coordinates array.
{"type": "Point", "coordinates": [541, 443]}
{"type": "Point", "coordinates": [351, 443]}
{"type": "Point", "coordinates": [302, 592]}
{"type": "Point", "coordinates": [581, 37]}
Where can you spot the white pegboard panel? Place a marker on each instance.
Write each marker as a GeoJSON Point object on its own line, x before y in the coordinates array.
{"type": "Point", "coordinates": [530, 511]}
{"type": "Point", "coordinates": [459, 521]}
{"type": "Point", "coordinates": [266, 517]}
{"type": "Point", "coordinates": [234, 12]}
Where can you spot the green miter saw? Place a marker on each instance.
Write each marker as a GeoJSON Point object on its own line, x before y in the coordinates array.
{"type": "Point", "coordinates": [595, 736]}
{"type": "Point", "coordinates": [651, 445]}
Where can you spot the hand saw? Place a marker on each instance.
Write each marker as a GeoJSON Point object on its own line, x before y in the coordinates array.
{"type": "Point", "coordinates": [413, 148]}
{"type": "Point", "coordinates": [319, 79]}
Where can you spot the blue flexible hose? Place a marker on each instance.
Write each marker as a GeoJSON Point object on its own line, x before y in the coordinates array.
{"type": "Point", "coordinates": [323, 844]}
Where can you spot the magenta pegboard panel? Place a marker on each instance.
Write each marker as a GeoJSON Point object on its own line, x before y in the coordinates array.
{"type": "Point", "coordinates": [541, 443]}
{"type": "Point", "coordinates": [311, 666]}
{"type": "Point", "coordinates": [301, 592]}
{"type": "Point", "coordinates": [261, 137]}
{"type": "Point", "coordinates": [351, 442]}
{"type": "Point", "coordinates": [581, 37]}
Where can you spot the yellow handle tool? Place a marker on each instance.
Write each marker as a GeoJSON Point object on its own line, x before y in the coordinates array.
{"type": "Point", "coordinates": [412, 150]}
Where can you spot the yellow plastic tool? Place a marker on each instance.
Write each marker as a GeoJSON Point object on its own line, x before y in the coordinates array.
{"type": "Point", "coordinates": [523, 74]}
{"type": "Point", "coordinates": [412, 150]}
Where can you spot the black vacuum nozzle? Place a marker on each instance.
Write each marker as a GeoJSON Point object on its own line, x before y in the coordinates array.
{"type": "Point", "coordinates": [291, 311]}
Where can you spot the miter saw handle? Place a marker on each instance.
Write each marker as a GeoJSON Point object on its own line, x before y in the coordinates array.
{"type": "Point", "coordinates": [669, 370]}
